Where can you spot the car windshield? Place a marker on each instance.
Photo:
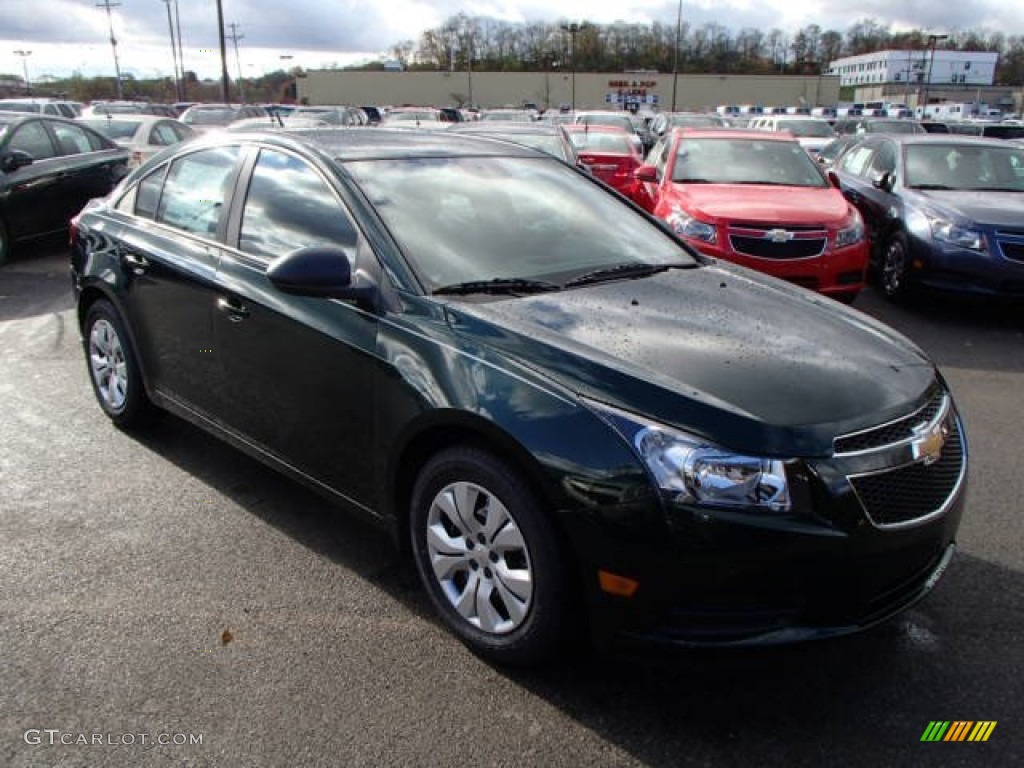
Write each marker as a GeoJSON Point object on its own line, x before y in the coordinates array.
{"type": "Point", "coordinates": [808, 129]}
{"type": "Point", "coordinates": [398, 117]}
{"type": "Point", "coordinates": [746, 161]}
{"type": "Point", "coordinates": [209, 116]}
{"type": "Point", "coordinates": [965, 166]}
{"type": "Point", "coordinates": [114, 129]}
{"type": "Point", "coordinates": [600, 141]}
{"type": "Point", "coordinates": [696, 121]}
{"type": "Point", "coordinates": [893, 126]}
{"type": "Point", "coordinates": [616, 121]}
{"type": "Point", "coordinates": [480, 218]}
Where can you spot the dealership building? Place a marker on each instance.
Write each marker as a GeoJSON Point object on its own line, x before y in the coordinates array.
{"type": "Point", "coordinates": [584, 90]}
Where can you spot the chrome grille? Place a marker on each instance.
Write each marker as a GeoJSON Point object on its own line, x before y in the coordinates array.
{"type": "Point", "coordinates": [1011, 244]}
{"type": "Point", "coordinates": [910, 493]}
{"type": "Point", "coordinates": [892, 432]}
{"type": "Point", "coordinates": [778, 242]}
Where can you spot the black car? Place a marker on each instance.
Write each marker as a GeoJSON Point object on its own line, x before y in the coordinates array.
{"type": "Point", "coordinates": [565, 417]}
{"type": "Point", "coordinates": [49, 168]}
{"type": "Point", "coordinates": [942, 211]}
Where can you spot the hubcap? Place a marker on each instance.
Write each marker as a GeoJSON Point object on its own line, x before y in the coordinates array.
{"type": "Point", "coordinates": [892, 269]}
{"type": "Point", "coordinates": [479, 558]}
{"type": "Point", "coordinates": [107, 364]}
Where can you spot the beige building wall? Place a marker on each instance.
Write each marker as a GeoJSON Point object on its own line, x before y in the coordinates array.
{"type": "Point", "coordinates": [498, 89]}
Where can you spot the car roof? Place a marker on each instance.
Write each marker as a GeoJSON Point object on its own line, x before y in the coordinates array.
{"type": "Point", "coordinates": [383, 143]}
{"type": "Point", "coordinates": [733, 133]}
{"type": "Point", "coordinates": [936, 138]}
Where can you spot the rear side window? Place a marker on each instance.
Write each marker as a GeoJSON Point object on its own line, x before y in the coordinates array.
{"type": "Point", "coordinates": [196, 191]}
{"type": "Point", "coordinates": [33, 138]}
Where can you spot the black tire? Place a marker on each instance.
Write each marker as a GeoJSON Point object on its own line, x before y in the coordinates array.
{"type": "Point", "coordinates": [482, 571]}
{"type": "Point", "coordinates": [894, 269]}
{"type": "Point", "coordinates": [113, 368]}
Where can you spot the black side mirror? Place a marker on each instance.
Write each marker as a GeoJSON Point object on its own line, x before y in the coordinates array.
{"type": "Point", "coordinates": [322, 271]}
{"type": "Point", "coordinates": [14, 160]}
{"type": "Point", "coordinates": [883, 182]}
{"type": "Point", "coordinates": [833, 179]}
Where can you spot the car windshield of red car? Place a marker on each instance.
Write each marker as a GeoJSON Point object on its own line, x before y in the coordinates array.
{"type": "Point", "coordinates": [745, 161]}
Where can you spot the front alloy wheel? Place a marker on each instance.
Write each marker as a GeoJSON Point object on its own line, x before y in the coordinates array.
{"type": "Point", "coordinates": [479, 558]}
{"type": "Point", "coordinates": [489, 557]}
{"type": "Point", "coordinates": [895, 268]}
{"type": "Point", "coordinates": [107, 365]}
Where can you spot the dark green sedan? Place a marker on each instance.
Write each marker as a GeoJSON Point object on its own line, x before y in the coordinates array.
{"type": "Point", "coordinates": [576, 427]}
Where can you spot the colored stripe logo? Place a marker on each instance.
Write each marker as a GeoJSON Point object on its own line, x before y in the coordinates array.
{"type": "Point", "coordinates": [958, 730]}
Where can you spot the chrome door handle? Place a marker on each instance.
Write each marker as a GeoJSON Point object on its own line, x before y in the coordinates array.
{"type": "Point", "coordinates": [235, 311]}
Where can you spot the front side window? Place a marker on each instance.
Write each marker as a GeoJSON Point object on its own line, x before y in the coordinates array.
{"type": "Point", "coordinates": [197, 188]}
{"type": "Point", "coordinates": [290, 206]}
{"type": "Point", "coordinates": [71, 139]}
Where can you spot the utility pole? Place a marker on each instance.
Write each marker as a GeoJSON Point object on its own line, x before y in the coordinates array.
{"type": "Point", "coordinates": [225, 81]}
{"type": "Point", "coordinates": [174, 51]}
{"type": "Point", "coordinates": [24, 65]}
{"type": "Point", "coordinates": [572, 29]}
{"type": "Point", "coordinates": [113, 42]}
{"type": "Point", "coordinates": [181, 55]}
{"type": "Point", "coordinates": [932, 40]}
{"type": "Point", "coordinates": [235, 37]}
{"type": "Point", "coordinates": [675, 54]}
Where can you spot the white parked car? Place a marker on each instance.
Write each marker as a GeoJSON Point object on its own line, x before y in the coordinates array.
{"type": "Point", "coordinates": [144, 135]}
{"type": "Point", "coordinates": [813, 133]}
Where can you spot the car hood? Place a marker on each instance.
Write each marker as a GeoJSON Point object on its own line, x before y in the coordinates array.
{"type": "Point", "coordinates": [998, 209]}
{"type": "Point", "coordinates": [717, 350]}
{"type": "Point", "coordinates": [773, 205]}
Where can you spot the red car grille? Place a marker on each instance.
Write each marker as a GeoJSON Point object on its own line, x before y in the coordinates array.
{"type": "Point", "coordinates": [778, 242]}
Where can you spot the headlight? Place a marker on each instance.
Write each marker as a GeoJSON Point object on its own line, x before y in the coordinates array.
{"type": "Point", "coordinates": [694, 471]}
{"type": "Point", "coordinates": [850, 235]}
{"type": "Point", "coordinates": [685, 225]}
{"type": "Point", "coordinates": [948, 232]}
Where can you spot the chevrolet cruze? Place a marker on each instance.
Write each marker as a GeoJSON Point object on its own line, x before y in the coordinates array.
{"type": "Point", "coordinates": [573, 424]}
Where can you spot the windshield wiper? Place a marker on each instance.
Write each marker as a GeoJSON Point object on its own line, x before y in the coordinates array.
{"type": "Point", "coordinates": [507, 285]}
{"type": "Point", "coordinates": [618, 272]}
{"type": "Point", "coordinates": [933, 187]}
{"type": "Point", "coordinates": [995, 189]}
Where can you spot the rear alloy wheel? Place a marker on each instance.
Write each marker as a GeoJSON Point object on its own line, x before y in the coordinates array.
{"type": "Point", "coordinates": [894, 270]}
{"type": "Point", "coordinates": [489, 558]}
{"type": "Point", "coordinates": [113, 369]}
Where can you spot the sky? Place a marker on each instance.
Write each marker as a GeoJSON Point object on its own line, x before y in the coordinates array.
{"type": "Point", "coordinates": [68, 36]}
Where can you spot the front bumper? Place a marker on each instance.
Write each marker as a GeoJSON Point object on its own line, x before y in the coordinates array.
{"type": "Point", "coordinates": [952, 269]}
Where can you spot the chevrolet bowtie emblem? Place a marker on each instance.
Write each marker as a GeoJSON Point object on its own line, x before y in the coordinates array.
{"type": "Point", "coordinates": [778, 235]}
{"type": "Point", "coordinates": [928, 442]}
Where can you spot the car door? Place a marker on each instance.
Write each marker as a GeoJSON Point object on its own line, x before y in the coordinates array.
{"type": "Point", "coordinates": [169, 247]}
{"type": "Point", "coordinates": [34, 190]}
{"type": "Point", "coordinates": [90, 166]}
{"type": "Point", "coordinates": [299, 371]}
{"type": "Point", "coordinates": [867, 173]}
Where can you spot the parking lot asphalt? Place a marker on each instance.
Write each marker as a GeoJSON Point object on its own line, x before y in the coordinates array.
{"type": "Point", "coordinates": [167, 588]}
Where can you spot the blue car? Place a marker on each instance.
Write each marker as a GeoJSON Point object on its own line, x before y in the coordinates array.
{"type": "Point", "coordinates": [943, 212]}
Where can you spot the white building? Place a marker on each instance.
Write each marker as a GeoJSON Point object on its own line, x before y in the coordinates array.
{"type": "Point", "coordinates": [966, 68]}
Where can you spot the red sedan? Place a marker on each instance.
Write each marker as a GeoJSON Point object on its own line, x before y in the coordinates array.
{"type": "Point", "coordinates": [611, 154]}
{"type": "Point", "coordinates": [759, 200]}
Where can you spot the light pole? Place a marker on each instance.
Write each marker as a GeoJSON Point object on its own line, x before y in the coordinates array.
{"type": "Point", "coordinates": [174, 51]}
{"type": "Point", "coordinates": [572, 29]}
{"type": "Point", "coordinates": [932, 40]}
{"type": "Point", "coordinates": [675, 54]}
{"type": "Point", "coordinates": [113, 44]}
{"type": "Point", "coordinates": [24, 65]}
